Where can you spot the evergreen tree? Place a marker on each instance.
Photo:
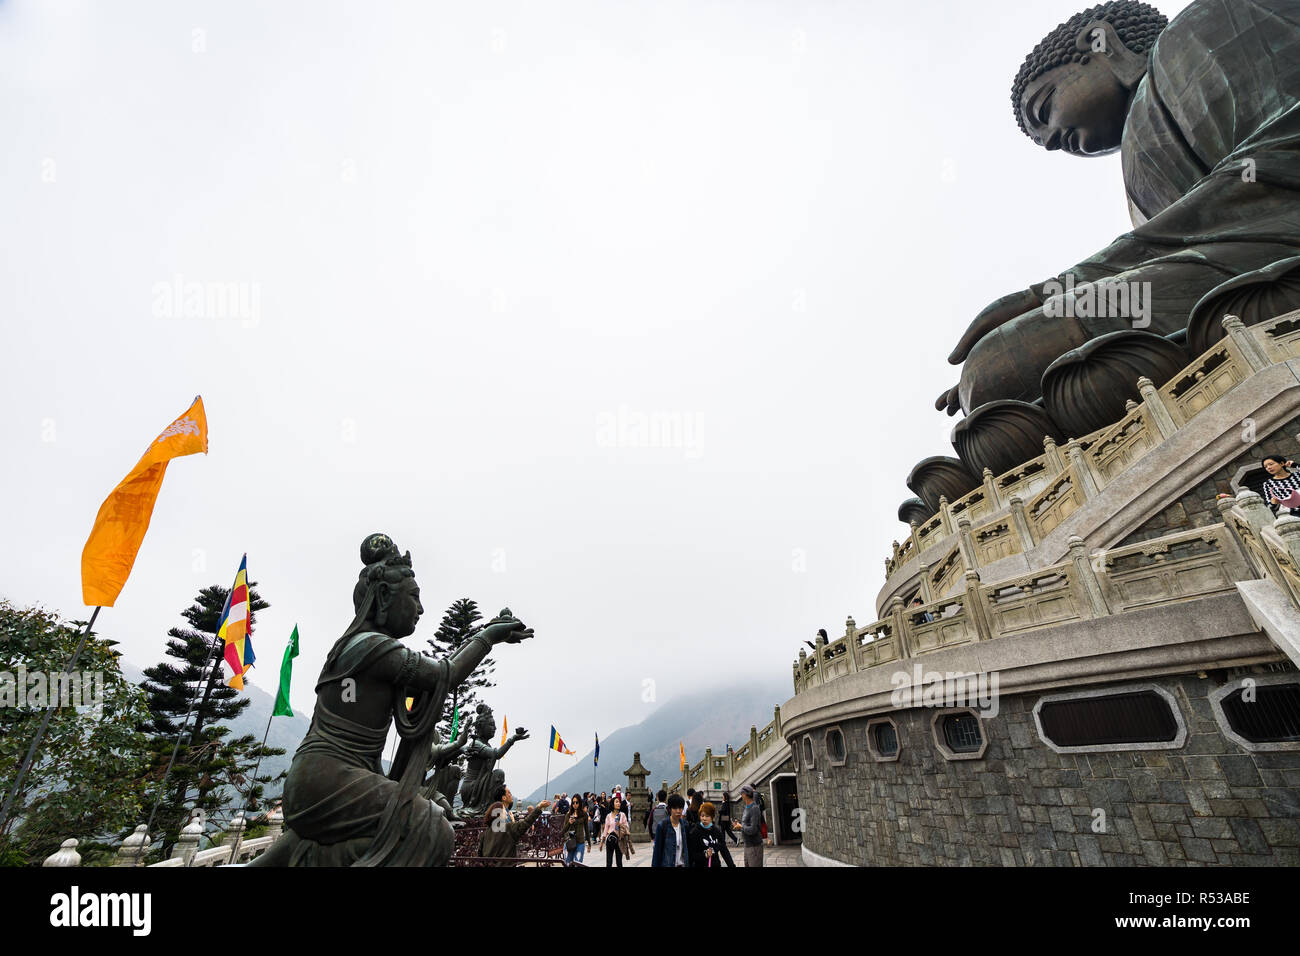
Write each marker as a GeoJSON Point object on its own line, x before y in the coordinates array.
{"type": "Point", "coordinates": [212, 772]}
{"type": "Point", "coordinates": [455, 629]}
{"type": "Point", "coordinates": [87, 779]}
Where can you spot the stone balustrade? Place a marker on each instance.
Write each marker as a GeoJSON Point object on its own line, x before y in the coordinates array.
{"type": "Point", "coordinates": [1177, 567]}
{"type": "Point", "coordinates": [234, 847]}
{"type": "Point", "coordinates": [1054, 485]}
{"type": "Point", "coordinates": [736, 763]}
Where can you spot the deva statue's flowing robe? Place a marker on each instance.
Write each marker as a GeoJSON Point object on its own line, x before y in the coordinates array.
{"type": "Point", "coordinates": [1211, 160]}
{"type": "Point", "coordinates": [339, 807]}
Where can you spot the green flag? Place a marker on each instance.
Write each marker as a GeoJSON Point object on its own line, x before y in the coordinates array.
{"type": "Point", "coordinates": [455, 722]}
{"type": "Point", "coordinates": [282, 708]}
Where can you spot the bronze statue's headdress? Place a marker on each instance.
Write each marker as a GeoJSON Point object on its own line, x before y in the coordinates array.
{"type": "Point", "coordinates": [384, 564]}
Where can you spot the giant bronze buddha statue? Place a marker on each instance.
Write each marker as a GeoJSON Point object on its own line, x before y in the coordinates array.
{"type": "Point", "coordinates": [1205, 112]}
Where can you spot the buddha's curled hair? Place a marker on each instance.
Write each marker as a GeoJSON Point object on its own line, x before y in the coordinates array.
{"type": "Point", "coordinates": [1136, 24]}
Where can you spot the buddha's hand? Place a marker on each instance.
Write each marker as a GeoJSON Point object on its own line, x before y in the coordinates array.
{"type": "Point", "coordinates": [505, 628]}
{"type": "Point", "coordinates": [949, 401]}
{"type": "Point", "coordinates": [995, 314]}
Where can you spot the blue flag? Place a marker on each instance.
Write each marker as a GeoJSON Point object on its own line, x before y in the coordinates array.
{"type": "Point", "coordinates": [595, 757]}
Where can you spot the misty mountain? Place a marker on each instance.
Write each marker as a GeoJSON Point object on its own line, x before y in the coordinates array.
{"type": "Point", "coordinates": [713, 718]}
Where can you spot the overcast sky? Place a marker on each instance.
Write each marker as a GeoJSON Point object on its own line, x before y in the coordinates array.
{"type": "Point", "coordinates": [475, 246]}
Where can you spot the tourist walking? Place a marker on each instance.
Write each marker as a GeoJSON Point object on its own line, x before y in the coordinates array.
{"type": "Point", "coordinates": [658, 813]}
{"type": "Point", "coordinates": [670, 837]}
{"type": "Point", "coordinates": [693, 808]}
{"type": "Point", "coordinates": [706, 842]}
{"type": "Point", "coordinates": [1281, 484]}
{"type": "Point", "coordinates": [751, 827]}
{"type": "Point", "coordinates": [610, 830]}
{"type": "Point", "coordinates": [593, 820]}
{"type": "Point", "coordinates": [576, 833]}
{"type": "Point", "coordinates": [724, 818]}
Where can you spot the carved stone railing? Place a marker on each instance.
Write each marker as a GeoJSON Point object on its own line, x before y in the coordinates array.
{"type": "Point", "coordinates": [1059, 482]}
{"type": "Point", "coordinates": [735, 764]}
{"type": "Point", "coordinates": [233, 848]}
{"type": "Point", "coordinates": [1177, 567]}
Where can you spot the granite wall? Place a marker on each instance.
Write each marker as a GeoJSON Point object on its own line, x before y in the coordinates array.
{"type": "Point", "coordinates": [1209, 802]}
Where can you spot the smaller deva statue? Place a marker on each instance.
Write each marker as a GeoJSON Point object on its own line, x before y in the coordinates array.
{"type": "Point", "coordinates": [482, 780]}
{"type": "Point", "coordinates": [445, 772]}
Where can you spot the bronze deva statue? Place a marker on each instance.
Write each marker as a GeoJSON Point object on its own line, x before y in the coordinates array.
{"type": "Point", "coordinates": [482, 780]}
{"type": "Point", "coordinates": [340, 809]}
{"type": "Point", "coordinates": [444, 778]}
{"type": "Point", "coordinates": [1205, 111]}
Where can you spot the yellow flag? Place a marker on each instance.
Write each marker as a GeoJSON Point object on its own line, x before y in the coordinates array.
{"type": "Point", "coordinates": [505, 727]}
{"type": "Point", "coordinates": [682, 748]}
{"type": "Point", "coordinates": [123, 518]}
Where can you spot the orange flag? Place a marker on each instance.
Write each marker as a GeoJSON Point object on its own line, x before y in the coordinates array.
{"type": "Point", "coordinates": [123, 518]}
{"type": "Point", "coordinates": [682, 748]}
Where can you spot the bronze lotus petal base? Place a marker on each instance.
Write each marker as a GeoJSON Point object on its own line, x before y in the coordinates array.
{"type": "Point", "coordinates": [1001, 435]}
{"type": "Point", "coordinates": [940, 476]}
{"type": "Point", "coordinates": [1253, 297]}
{"type": "Point", "coordinates": [1086, 388]}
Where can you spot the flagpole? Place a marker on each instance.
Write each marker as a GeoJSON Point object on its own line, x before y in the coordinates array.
{"type": "Point", "coordinates": [162, 785]}
{"type": "Point", "coordinates": [547, 789]}
{"type": "Point", "coordinates": [45, 723]}
{"type": "Point", "coordinates": [234, 851]}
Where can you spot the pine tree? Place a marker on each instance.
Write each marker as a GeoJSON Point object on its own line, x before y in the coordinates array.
{"type": "Point", "coordinates": [211, 772]}
{"type": "Point", "coordinates": [457, 624]}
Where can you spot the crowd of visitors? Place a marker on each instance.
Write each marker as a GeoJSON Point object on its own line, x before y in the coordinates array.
{"type": "Point", "coordinates": [686, 831]}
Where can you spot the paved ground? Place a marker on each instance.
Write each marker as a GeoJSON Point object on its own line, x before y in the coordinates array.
{"type": "Point", "coordinates": [785, 855]}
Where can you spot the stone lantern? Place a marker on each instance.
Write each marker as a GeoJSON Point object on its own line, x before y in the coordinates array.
{"type": "Point", "coordinates": [638, 798]}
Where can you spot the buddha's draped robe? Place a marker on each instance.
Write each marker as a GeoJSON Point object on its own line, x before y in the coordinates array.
{"type": "Point", "coordinates": [1222, 88]}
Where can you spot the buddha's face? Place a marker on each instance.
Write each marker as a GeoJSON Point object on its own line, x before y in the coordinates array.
{"type": "Point", "coordinates": [486, 727]}
{"type": "Point", "coordinates": [1078, 107]}
{"type": "Point", "coordinates": [405, 610]}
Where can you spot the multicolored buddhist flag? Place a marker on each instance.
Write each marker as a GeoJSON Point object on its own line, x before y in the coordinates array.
{"type": "Point", "coordinates": [235, 628]}
{"type": "Point", "coordinates": [557, 744]}
{"type": "Point", "coordinates": [595, 757]}
{"type": "Point", "coordinates": [123, 518]}
{"type": "Point", "coordinates": [282, 708]}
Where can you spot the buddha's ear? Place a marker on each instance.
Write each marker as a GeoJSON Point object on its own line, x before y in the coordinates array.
{"type": "Point", "coordinates": [1098, 38]}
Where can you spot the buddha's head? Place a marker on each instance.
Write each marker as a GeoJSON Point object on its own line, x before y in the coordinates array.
{"type": "Point", "coordinates": [1073, 91]}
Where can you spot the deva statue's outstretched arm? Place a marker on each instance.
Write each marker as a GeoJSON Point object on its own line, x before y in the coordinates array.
{"type": "Point", "coordinates": [505, 628]}
{"type": "Point", "coordinates": [518, 735]}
